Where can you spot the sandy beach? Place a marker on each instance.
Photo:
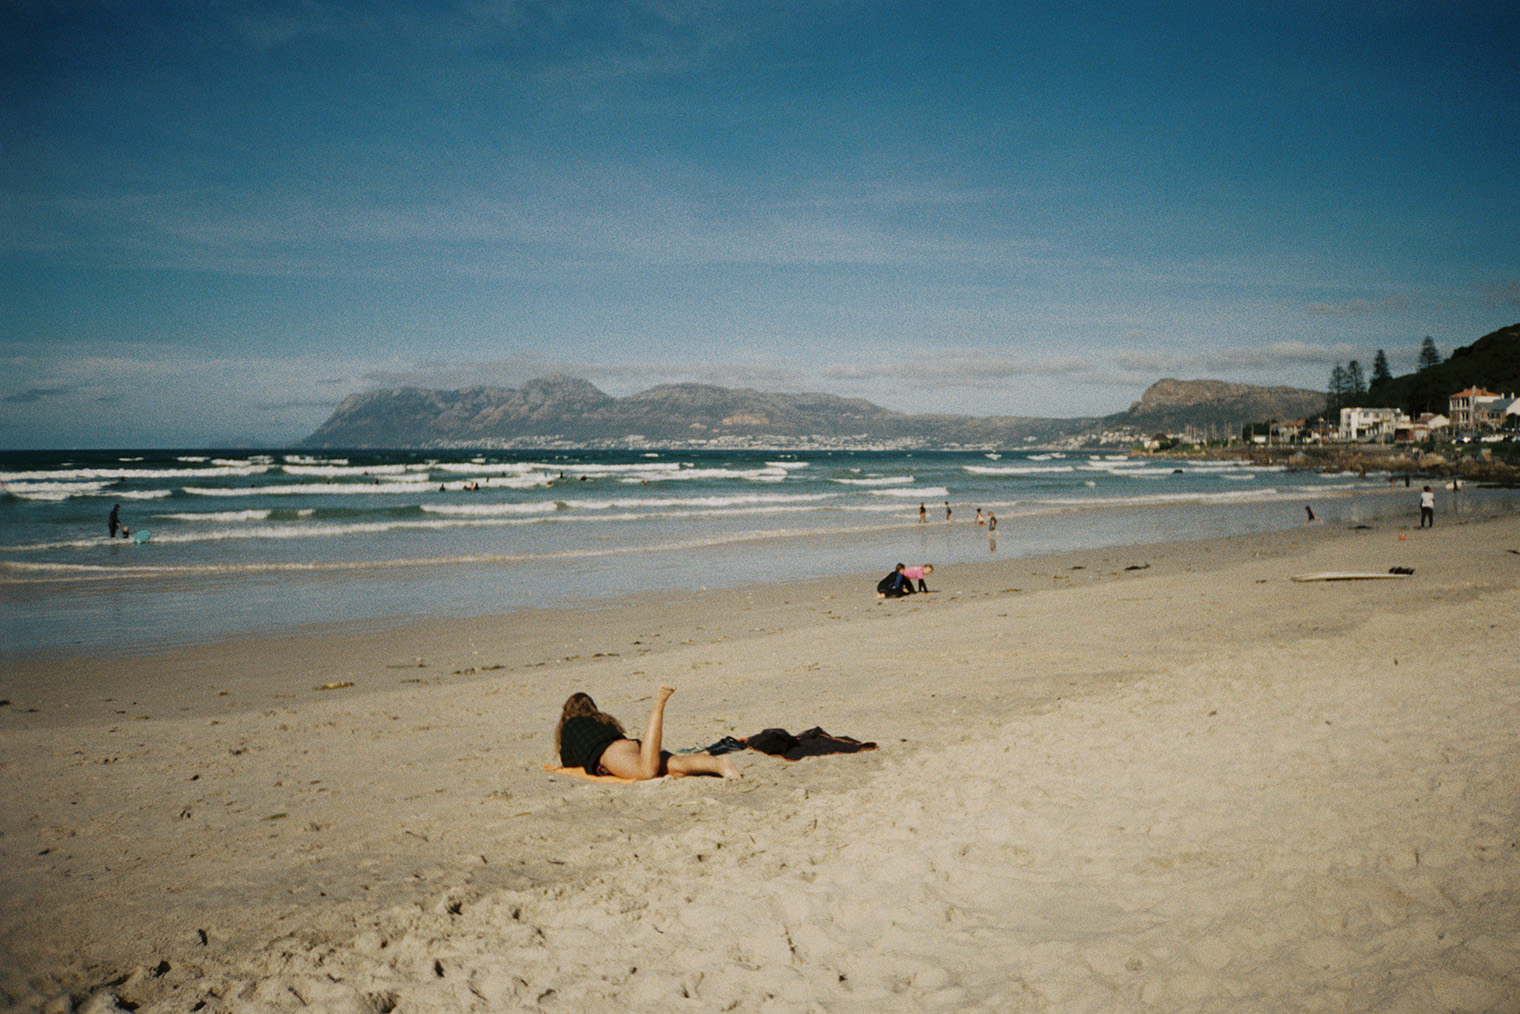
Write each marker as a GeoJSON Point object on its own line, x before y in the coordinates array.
{"type": "Point", "coordinates": [1157, 778]}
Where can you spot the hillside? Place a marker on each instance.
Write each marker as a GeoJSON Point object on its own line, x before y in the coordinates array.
{"type": "Point", "coordinates": [1170, 406]}
{"type": "Point", "coordinates": [560, 410]}
{"type": "Point", "coordinates": [566, 411]}
{"type": "Point", "coordinates": [1492, 362]}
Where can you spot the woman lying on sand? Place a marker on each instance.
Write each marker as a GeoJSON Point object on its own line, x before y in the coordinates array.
{"type": "Point", "coordinates": [593, 740]}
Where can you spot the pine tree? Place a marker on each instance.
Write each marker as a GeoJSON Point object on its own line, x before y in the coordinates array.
{"type": "Point", "coordinates": [1380, 374]}
{"type": "Point", "coordinates": [1335, 398]}
{"type": "Point", "coordinates": [1428, 355]}
{"type": "Point", "coordinates": [1356, 385]}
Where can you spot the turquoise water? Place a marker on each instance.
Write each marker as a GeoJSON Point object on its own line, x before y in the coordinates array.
{"type": "Point", "coordinates": [240, 542]}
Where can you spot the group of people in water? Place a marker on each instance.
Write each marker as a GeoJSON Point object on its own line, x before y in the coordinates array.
{"type": "Point", "coordinates": [987, 521]}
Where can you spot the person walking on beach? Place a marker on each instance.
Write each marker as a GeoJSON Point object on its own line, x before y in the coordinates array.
{"type": "Point", "coordinates": [923, 514]}
{"type": "Point", "coordinates": [1427, 507]}
{"type": "Point", "coordinates": [947, 510]}
{"type": "Point", "coordinates": [590, 739]}
{"type": "Point", "coordinates": [980, 521]}
{"type": "Point", "coordinates": [114, 521]}
{"type": "Point", "coordinates": [991, 523]}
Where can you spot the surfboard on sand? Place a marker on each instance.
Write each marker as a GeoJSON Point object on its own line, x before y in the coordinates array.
{"type": "Point", "coordinates": [1347, 575]}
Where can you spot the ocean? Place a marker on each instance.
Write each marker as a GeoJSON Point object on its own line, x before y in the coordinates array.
{"type": "Point", "coordinates": [230, 543]}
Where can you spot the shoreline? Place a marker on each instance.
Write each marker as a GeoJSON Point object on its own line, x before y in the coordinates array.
{"type": "Point", "coordinates": [136, 613]}
{"type": "Point", "coordinates": [386, 654]}
{"type": "Point", "coordinates": [1169, 762]}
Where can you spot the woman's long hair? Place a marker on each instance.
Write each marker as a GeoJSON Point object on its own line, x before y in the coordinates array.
{"type": "Point", "coordinates": [581, 705]}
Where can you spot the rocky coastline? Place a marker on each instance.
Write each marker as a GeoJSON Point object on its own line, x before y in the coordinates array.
{"type": "Point", "coordinates": [1486, 466]}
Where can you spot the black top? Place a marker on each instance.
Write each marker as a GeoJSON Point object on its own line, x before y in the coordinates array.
{"type": "Point", "coordinates": [582, 741]}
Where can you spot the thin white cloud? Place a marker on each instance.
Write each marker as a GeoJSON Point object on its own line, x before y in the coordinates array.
{"type": "Point", "coordinates": [1361, 307]}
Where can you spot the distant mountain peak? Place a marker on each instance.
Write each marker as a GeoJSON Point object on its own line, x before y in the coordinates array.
{"type": "Point", "coordinates": [568, 411]}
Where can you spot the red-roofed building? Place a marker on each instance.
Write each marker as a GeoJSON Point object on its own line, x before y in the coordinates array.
{"type": "Point", "coordinates": [1466, 408]}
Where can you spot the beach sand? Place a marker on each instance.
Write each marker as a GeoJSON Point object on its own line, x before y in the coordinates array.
{"type": "Point", "coordinates": [1160, 778]}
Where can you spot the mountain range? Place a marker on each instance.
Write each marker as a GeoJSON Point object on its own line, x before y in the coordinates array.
{"type": "Point", "coordinates": [562, 411]}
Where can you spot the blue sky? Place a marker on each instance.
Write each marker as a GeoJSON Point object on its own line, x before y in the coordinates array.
{"type": "Point", "coordinates": [220, 218]}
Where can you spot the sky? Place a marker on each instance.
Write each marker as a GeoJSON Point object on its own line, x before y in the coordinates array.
{"type": "Point", "coordinates": [221, 218]}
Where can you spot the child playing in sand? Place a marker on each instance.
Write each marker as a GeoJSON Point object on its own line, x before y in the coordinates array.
{"type": "Point", "coordinates": [591, 739]}
{"type": "Point", "coordinates": [911, 574]}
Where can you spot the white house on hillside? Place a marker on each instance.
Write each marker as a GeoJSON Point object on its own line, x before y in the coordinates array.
{"type": "Point", "coordinates": [1369, 423]}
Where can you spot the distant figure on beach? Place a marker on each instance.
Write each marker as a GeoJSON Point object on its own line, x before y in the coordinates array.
{"type": "Point", "coordinates": [595, 741]}
{"type": "Point", "coordinates": [1311, 518]}
{"type": "Point", "coordinates": [991, 522]}
{"type": "Point", "coordinates": [1427, 507]}
{"type": "Point", "coordinates": [923, 514]}
{"type": "Point", "coordinates": [114, 521]}
{"type": "Point", "coordinates": [947, 510]}
{"type": "Point", "coordinates": [980, 521]}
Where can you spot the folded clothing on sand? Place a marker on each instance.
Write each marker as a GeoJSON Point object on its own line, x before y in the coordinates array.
{"type": "Point", "coordinates": [812, 743]}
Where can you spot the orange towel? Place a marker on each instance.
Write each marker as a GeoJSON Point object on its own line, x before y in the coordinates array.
{"type": "Point", "coordinates": [581, 773]}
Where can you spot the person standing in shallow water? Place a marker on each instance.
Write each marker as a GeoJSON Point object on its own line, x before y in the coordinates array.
{"type": "Point", "coordinates": [590, 739]}
{"type": "Point", "coordinates": [1427, 507]}
{"type": "Point", "coordinates": [114, 521]}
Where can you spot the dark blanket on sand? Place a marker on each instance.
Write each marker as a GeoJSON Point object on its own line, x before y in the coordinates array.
{"type": "Point", "coordinates": [812, 743]}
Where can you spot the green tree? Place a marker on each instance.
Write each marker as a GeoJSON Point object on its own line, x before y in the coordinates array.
{"type": "Point", "coordinates": [1356, 384]}
{"type": "Point", "coordinates": [1335, 398]}
{"type": "Point", "coordinates": [1380, 374]}
{"type": "Point", "coordinates": [1428, 355]}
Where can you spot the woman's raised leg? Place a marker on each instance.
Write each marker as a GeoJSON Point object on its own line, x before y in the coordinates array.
{"type": "Point", "coordinates": [649, 749]}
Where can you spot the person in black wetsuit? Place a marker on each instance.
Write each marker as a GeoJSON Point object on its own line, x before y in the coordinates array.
{"type": "Point", "coordinates": [593, 740]}
{"type": "Point", "coordinates": [895, 585]}
{"type": "Point", "coordinates": [114, 521]}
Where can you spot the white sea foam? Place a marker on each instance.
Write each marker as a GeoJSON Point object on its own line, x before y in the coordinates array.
{"type": "Point", "coordinates": [332, 469]}
{"type": "Point", "coordinates": [884, 480]}
{"type": "Point", "coordinates": [1017, 469]}
{"type": "Point", "coordinates": [731, 500]}
{"type": "Point", "coordinates": [407, 486]}
{"type": "Point", "coordinates": [307, 459]}
{"type": "Point", "coordinates": [484, 468]}
{"type": "Point", "coordinates": [51, 490]}
{"type": "Point", "coordinates": [250, 515]}
{"type": "Point", "coordinates": [132, 474]}
{"type": "Point", "coordinates": [751, 474]}
{"type": "Point", "coordinates": [490, 509]}
{"type": "Point", "coordinates": [914, 493]}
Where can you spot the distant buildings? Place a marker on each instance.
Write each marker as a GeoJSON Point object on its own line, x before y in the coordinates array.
{"type": "Point", "coordinates": [1476, 410]}
{"type": "Point", "coordinates": [1473, 412]}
